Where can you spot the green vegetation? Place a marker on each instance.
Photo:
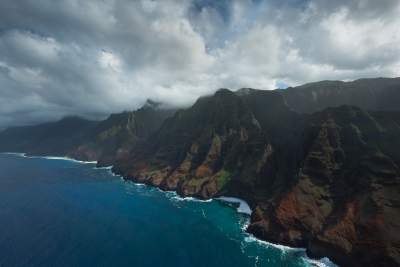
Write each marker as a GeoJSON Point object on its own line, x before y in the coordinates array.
{"type": "Point", "coordinates": [196, 182]}
{"type": "Point", "coordinates": [113, 131]}
{"type": "Point", "coordinates": [223, 177]}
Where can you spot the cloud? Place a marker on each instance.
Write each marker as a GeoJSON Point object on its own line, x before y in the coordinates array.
{"type": "Point", "coordinates": [92, 58]}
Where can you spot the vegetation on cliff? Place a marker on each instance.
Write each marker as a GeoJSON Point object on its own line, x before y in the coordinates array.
{"type": "Point", "coordinates": [319, 164]}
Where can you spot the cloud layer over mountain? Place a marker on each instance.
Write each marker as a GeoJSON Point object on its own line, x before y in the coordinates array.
{"type": "Point", "coordinates": [95, 57]}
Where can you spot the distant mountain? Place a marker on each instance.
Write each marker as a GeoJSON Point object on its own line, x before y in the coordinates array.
{"type": "Point", "coordinates": [87, 140]}
{"type": "Point", "coordinates": [114, 137]}
{"type": "Point", "coordinates": [369, 94]}
{"type": "Point", "coordinates": [55, 138]}
{"type": "Point", "coordinates": [319, 163]}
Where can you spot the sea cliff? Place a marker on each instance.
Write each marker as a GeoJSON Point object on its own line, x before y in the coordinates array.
{"type": "Point", "coordinates": [322, 175]}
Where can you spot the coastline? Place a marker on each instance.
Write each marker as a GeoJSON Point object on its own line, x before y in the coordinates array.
{"type": "Point", "coordinates": [242, 206]}
{"type": "Point", "coordinates": [24, 155]}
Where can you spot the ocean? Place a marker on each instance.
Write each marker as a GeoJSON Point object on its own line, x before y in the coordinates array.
{"type": "Point", "coordinates": [59, 212]}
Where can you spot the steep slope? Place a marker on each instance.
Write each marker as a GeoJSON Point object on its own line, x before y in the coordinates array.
{"type": "Point", "coordinates": [370, 94]}
{"type": "Point", "coordinates": [119, 133]}
{"type": "Point", "coordinates": [327, 181]}
{"type": "Point", "coordinates": [242, 144]}
{"type": "Point", "coordinates": [202, 150]}
{"type": "Point", "coordinates": [346, 197]}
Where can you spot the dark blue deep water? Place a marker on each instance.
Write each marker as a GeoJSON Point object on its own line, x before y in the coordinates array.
{"type": "Point", "coordinates": [64, 213]}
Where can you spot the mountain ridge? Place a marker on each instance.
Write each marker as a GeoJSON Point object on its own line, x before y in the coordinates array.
{"type": "Point", "coordinates": [319, 172]}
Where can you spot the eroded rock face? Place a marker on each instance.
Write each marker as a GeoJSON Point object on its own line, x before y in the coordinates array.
{"type": "Point", "coordinates": [114, 137]}
{"type": "Point", "coordinates": [345, 201]}
{"type": "Point", "coordinates": [333, 186]}
{"type": "Point", "coordinates": [216, 139]}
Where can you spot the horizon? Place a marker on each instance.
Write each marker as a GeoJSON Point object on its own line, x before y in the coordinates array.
{"type": "Point", "coordinates": [62, 58]}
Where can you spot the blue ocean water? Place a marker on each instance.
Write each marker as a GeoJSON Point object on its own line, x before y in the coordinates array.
{"type": "Point", "coordinates": [64, 213]}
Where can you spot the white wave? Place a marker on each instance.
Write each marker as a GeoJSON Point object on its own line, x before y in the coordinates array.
{"type": "Point", "coordinates": [64, 158]}
{"type": "Point", "coordinates": [250, 238]}
{"type": "Point", "coordinates": [196, 199]}
{"type": "Point", "coordinates": [50, 157]}
{"type": "Point", "coordinates": [244, 223]}
{"type": "Point", "coordinates": [110, 172]}
{"type": "Point", "coordinates": [175, 196]}
{"type": "Point", "coordinates": [324, 262]}
{"type": "Point", "coordinates": [104, 168]}
{"type": "Point", "coordinates": [13, 153]}
{"type": "Point", "coordinates": [113, 173]}
{"type": "Point", "coordinates": [109, 169]}
{"type": "Point", "coordinates": [243, 206]}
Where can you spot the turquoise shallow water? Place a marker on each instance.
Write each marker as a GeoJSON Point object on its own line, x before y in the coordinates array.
{"type": "Point", "coordinates": [64, 213]}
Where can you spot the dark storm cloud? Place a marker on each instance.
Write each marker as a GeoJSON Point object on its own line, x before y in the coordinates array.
{"type": "Point", "coordinates": [95, 57]}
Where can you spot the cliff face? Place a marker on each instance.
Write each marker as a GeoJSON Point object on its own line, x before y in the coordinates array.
{"type": "Point", "coordinates": [202, 150]}
{"type": "Point", "coordinates": [328, 181]}
{"type": "Point", "coordinates": [345, 198]}
{"type": "Point", "coordinates": [115, 136]}
{"type": "Point", "coordinates": [318, 171]}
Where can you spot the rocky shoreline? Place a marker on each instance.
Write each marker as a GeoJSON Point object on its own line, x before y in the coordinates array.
{"type": "Point", "coordinates": [242, 205]}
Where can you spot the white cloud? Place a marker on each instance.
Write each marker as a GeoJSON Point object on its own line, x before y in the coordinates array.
{"type": "Point", "coordinates": [109, 60]}
{"type": "Point", "coordinates": [93, 58]}
{"type": "Point", "coordinates": [360, 44]}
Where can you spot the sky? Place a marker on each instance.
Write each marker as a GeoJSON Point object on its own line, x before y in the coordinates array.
{"type": "Point", "coordinates": [96, 57]}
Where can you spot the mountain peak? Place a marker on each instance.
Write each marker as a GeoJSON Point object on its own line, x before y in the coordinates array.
{"type": "Point", "coordinates": [222, 91]}
{"type": "Point", "coordinates": [151, 104]}
{"type": "Point", "coordinates": [244, 91]}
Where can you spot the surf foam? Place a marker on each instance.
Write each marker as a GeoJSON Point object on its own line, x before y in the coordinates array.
{"type": "Point", "coordinates": [49, 157]}
{"type": "Point", "coordinates": [243, 206]}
